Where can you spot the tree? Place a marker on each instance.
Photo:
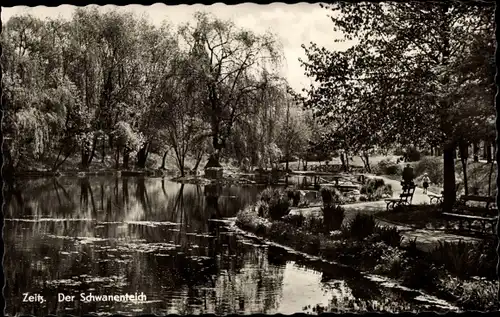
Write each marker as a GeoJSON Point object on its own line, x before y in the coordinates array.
{"type": "Point", "coordinates": [181, 104]}
{"type": "Point", "coordinates": [229, 63]}
{"type": "Point", "coordinates": [400, 74]}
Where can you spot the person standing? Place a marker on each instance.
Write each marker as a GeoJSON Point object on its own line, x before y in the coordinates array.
{"type": "Point", "coordinates": [408, 175]}
{"type": "Point", "coordinates": [425, 182]}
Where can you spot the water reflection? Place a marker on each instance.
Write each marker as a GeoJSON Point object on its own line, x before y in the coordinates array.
{"type": "Point", "coordinates": [128, 235]}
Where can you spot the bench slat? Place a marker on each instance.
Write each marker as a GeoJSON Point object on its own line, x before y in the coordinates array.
{"type": "Point", "coordinates": [469, 217]}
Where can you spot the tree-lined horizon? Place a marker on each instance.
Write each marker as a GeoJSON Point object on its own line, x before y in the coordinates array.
{"type": "Point", "coordinates": [111, 86]}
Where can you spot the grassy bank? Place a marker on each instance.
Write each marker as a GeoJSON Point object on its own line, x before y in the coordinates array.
{"type": "Point", "coordinates": [460, 273]}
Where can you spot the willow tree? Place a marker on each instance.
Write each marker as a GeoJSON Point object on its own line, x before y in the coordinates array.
{"type": "Point", "coordinates": [229, 63]}
{"type": "Point", "coordinates": [401, 72]}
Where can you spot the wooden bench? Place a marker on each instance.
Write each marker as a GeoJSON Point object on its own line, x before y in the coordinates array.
{"type": "Point", "coordinates": [461, 218]}
{"type": "Point", "coordinates": [482, 205]}
{"type": "Point", "coordinates": [404, 199]}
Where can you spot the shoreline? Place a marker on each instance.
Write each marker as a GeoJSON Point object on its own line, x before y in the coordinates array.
{"type": "Point", "coordinates": [399, 261]}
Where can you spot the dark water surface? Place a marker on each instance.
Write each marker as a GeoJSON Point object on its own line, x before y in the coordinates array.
{"type": "Point", "coordinates": [172, 242]}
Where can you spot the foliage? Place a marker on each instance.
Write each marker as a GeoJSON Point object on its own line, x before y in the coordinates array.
{"type": "Point", "coordinates": [389, 235]}
{"type": "Point", "coordinates": [375, 189]}
{"type": "Point", "coordinates": [466, 259]}
{"type": "Point", "coordinates": [333, 216]}
{"type": "Point", "coordinates": [262, 208]}
{"type": "Point", "coordinates": [388, 167]}
{"type": "Point", "coordinates": [409, 77]}
{"type": "Point", "coordinates": [330, 196]}
{"type": "Point", "coordinates": [412, 154]}
{"type": "Point", "coordinates": [294, 196]}
{"type": "Point", "coordinates": [431, 165]}
{"type": "Point", "coordinates": [111, 86]}
{"type": "Point", "coordinates": [420, 274]}
{"type": "Point", "coordinates": [277, 200]}
{"type": "Point", "coordinates": [361, 226]}
{"type": "Point", "coordinates": [473, 294]}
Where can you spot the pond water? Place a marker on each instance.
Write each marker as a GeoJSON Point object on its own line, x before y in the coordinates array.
{"type": "Point", "coordinates": [172, 242]}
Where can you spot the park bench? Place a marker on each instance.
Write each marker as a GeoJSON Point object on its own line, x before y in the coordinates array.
{"type": "Point", "coordinates": [404, 199]}
{"type": "Point", "coordinates": [470, 219]}
{"type": "Point", "coordinates": [482, 205]}
{"type": "Point", "coordinates": [480, 210]}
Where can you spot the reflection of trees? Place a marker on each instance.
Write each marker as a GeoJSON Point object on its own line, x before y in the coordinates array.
{"type": "Point", "coordinates": [142, 195]}
{"type": "Point", "coordinates": [222, 257]}
{"type": "Point", "coordinates": [85, 193]}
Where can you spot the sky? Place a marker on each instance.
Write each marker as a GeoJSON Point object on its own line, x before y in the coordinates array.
{"type": "Point", "coordinates": [293, 24]}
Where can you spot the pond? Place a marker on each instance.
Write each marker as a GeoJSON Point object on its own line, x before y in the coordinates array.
{"type": "Point", "coordinates": [172, 243]}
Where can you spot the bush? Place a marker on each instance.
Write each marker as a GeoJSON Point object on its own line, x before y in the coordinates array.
{"type": "Point", "coordinates": [361, 226]}
{"type": "Point", "coordinates": [431, 165]}
{"type": "Point", "coordinates": [266, 194]}
{"type": "Point", "coordinates": [314, 224]}
{"type": "Point", "coordinates": [262, 208]}
{"type": "Point", "coordinates": [296, 219]}
{"type": "Point", "coordinates": [294, 196]}
{"type": "Point", "coordinates": [388, 235]}
{"type": "Point", "coordinates": [375, 189]}
{"type": "Point", "coordinates": [277, 201]}
{"type": "Point", "coordinates": [420, 274]}
{"type": "Point", "coordinates": [388, 167]}
{"type": "Point", "coordinates": [466, 259]}
{"type": "Point", "coordinates": [333, 216]}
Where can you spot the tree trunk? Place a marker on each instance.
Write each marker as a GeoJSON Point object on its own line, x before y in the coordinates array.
{"type": "Point", "coordinates": [489, 158]}
{"type": "Point", "coordinates": [85, 157]}
{"type": "Point", "coordinates": [142, 156]}
{"type": "Point", "coordinates": [92, 154]}
{"type": "Point", "coordinates": [117, 157]}
{"type": "Point", "coordinates": [347, 163]}
{"type": "Point", "coordinates": [475, 151]}
{"type": "Point", "coordinates": [449, 196]}
{"type": "Point", "coordinates": [103, 149]}
{"type": "Point", "coordinates": [198, 161]}
{"type": "Point", "coordinates": [463, 148]}
{"type": "Point", "coordinates": [366, 161]}
{"type": "Point", "coordinates": [126, 155]}
{"type": "Point", "coordinates": [163, 161]}
{"type": "Point", "coordinates": [342, 159]}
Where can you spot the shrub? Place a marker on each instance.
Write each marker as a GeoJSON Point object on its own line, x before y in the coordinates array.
{"type": "Point", "coordinates": [277, 201]}
{"type": "Point", "coordinates": [375, 189]}
{"type": "Point", "coordinates": [361, 226]}
{"type": "Point", "coordinates": [327, 195]}
{"type": "Point", "coordinates": [262, 208]}
{"type": "Point", "coordinates": [296, 219]}
{"type": "Point", "coordinates": [466, 259]}
{"type": "Point", "coordinates": [419, 274]}
{"type": "Point", "coordinates": [266, 194]}
{"type": "Point", "coordinates": [388, 235]}
{"type": "Point", "coordinates": [314, 224]}
{"type": "Point", "coordinates": [388, 167]}
{"type": "Point", "coordinates": [333, 216]}
{"type": "Point", "coordinates": [475, 294]}
{"type": "Point", "coordinates": [431, 165]}
{"type": "Point", "coordinates": [294, 196]}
